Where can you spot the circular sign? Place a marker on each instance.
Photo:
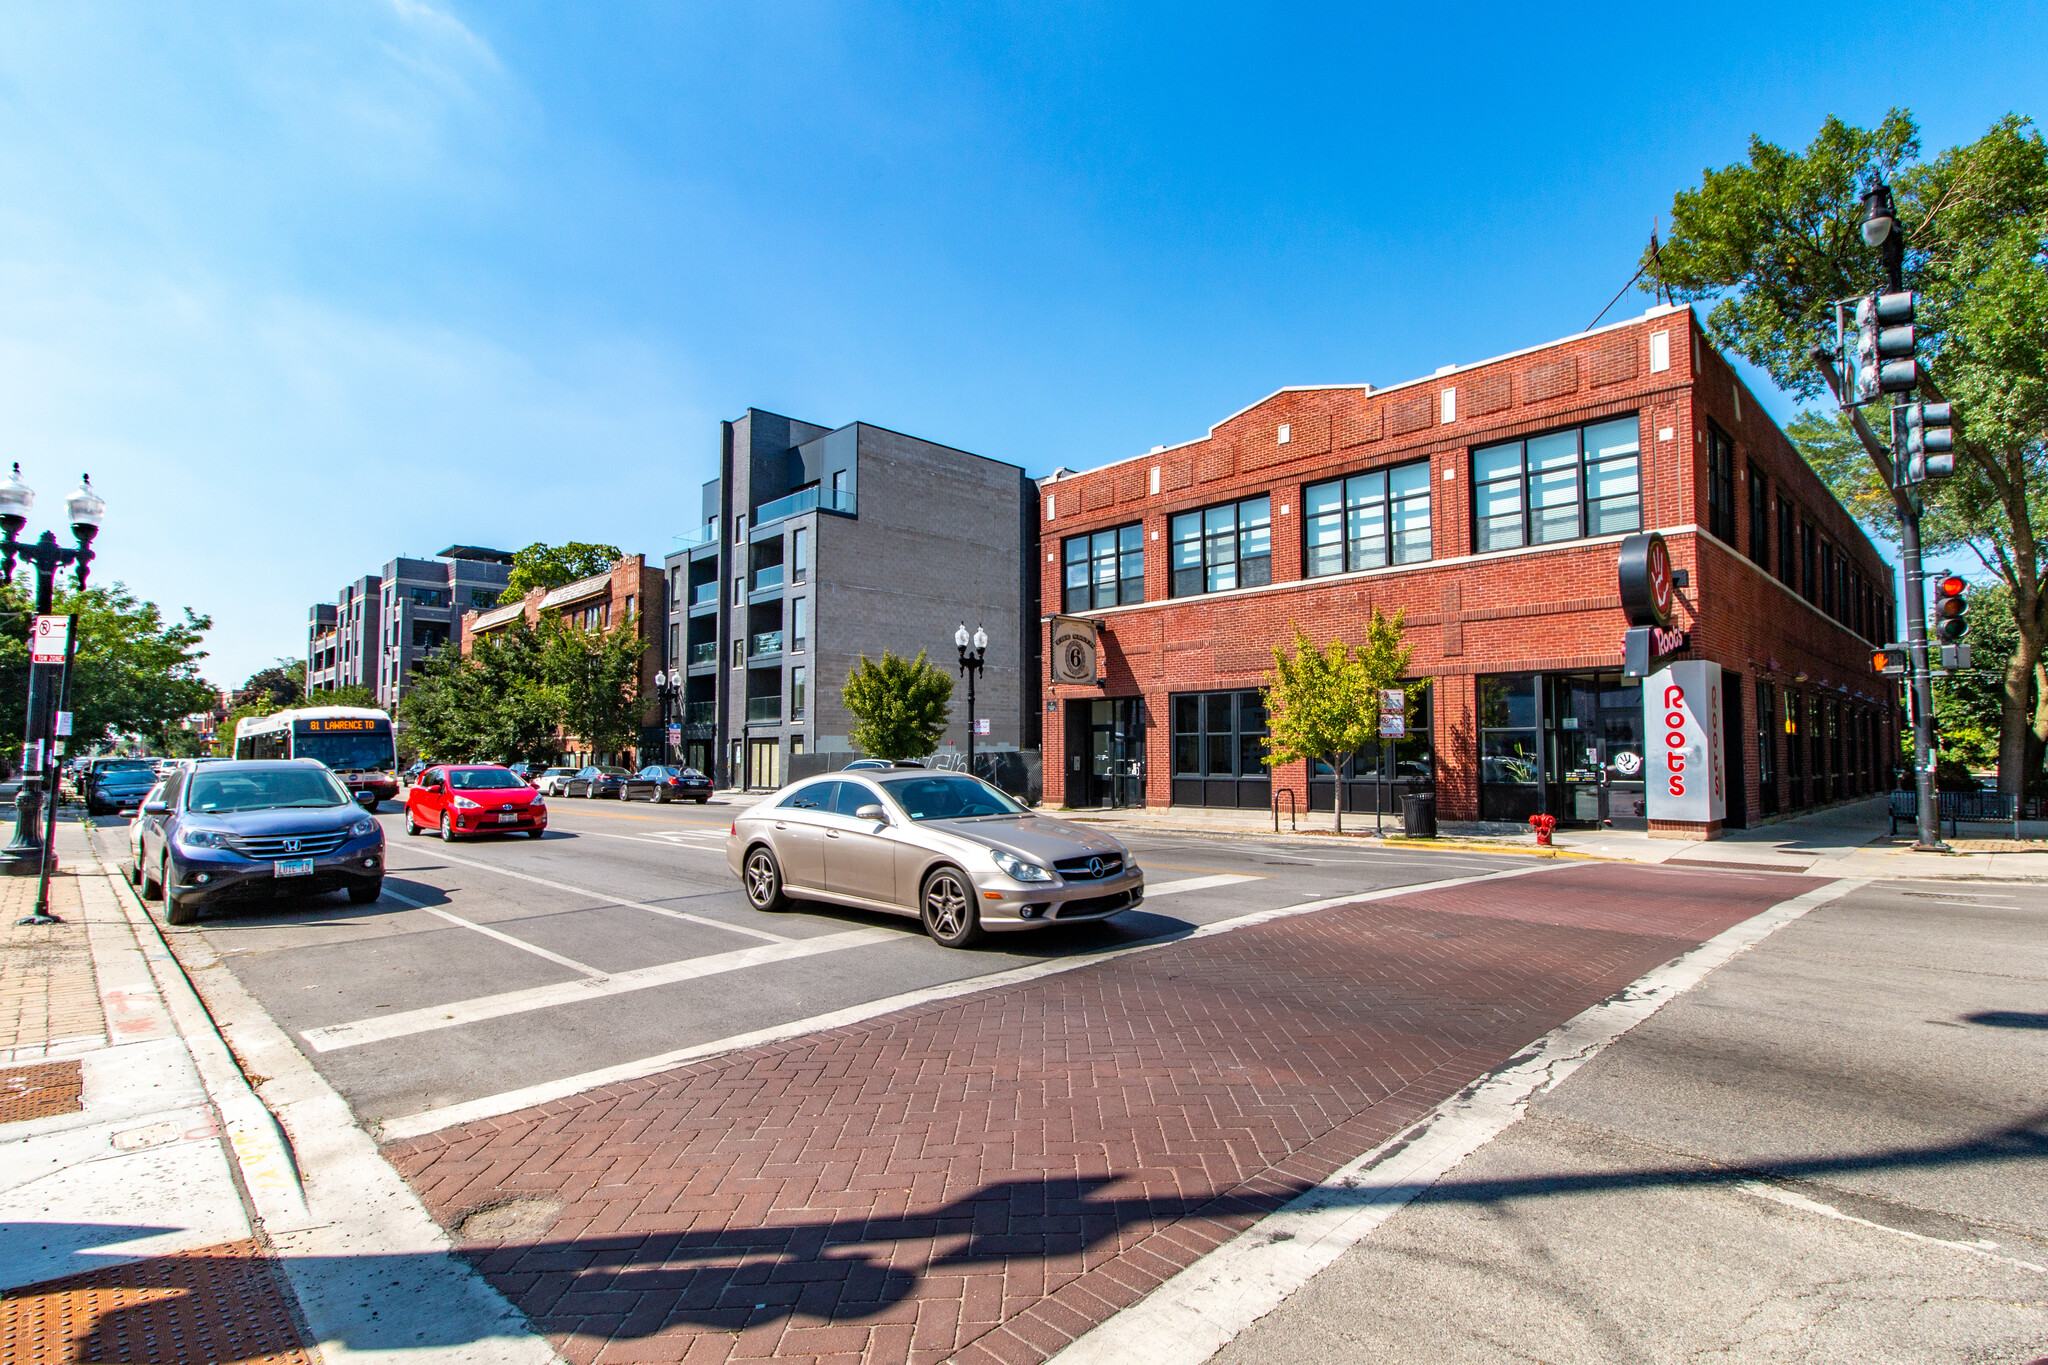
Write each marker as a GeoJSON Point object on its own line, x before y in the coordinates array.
{"type": "Point", "coordinates": [1644, 571]}
{"type": "Point", "coordinates": [1628, 764]}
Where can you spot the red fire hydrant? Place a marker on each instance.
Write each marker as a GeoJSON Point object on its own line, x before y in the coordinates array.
{"type": "Point", "coordinates": [1543, 824]}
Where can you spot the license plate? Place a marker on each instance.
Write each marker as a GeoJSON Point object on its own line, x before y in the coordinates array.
{"type": "Point", "coordinates": [292, 867]}
{"type": "Point", "coordinates": [508, 817]}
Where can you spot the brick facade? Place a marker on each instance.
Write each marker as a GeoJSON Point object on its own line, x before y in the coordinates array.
{"type": "Point", "coordinates": [1549, 608]}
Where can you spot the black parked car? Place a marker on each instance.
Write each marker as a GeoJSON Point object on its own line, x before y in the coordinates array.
{"type": "Point", "coordinates": [249, 830]}
{"type": "Point", "coordinates": [596, 781]}
{"type": "Point", "coordinates": [113, 785]}
{"type": "Point", "coordinates": [661, 784]}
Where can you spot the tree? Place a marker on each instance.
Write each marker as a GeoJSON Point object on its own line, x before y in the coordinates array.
{"type": "Point", "coordinates": [283, 682]}
{"type": "Point", "coordinates": [903, 705]}
{"type": "Point", "coordinates": [596, 675]}
{"type": "Point", "coordinates": [550, 566]}
{"type": "Point", "coordinates": [351, 695]}
{"type": "Point", "coordinates": [1324, 703]}
{"type": "Point", "coordinates": [1775, 240]}
{"type": "Point", "coordinates": [134, 672]}
{"type": "Point", "coordinates": [494, 704]}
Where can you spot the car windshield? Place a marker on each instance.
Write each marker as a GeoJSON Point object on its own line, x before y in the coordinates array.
{"type": "Point", "coordinates": [559, 772]}
{"type": "Point", "coordinates": [483, 779]}
{"type": "Point", "coordinates": [949, 798]}
{"type": "Point", "coordinates": [123, 765]}
{"type": "Point", "coordinates": [263, 789]}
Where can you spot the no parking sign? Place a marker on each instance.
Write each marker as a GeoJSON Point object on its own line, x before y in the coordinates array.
{"type": "Point", "coordinates": [52, 635]}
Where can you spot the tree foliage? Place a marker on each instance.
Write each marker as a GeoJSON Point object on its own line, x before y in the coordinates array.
{"type": "Point", "coordinates": [134, 671]}
{"type": "Point", "coordinates": [284, 682]}
{"type": "Point", "coordinates": [550, 566]}
{"type": "Point", "coordinates": [515, 693]}
{"type": "Point", "coordinates": [1774, 240]}
{"type": "Point", "coordinates": [1323, 703]}
{"type": "Point", "coordinates": [903, 705]}
{"type": "Point", "coordinates": [596, 674]}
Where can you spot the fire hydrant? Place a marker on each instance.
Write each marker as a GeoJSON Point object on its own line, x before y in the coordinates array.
{"type": "Point", "coordinates": [1543, 824]}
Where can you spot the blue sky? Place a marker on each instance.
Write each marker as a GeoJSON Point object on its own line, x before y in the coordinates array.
{"type": "Point", "coordinates": [308, 286]}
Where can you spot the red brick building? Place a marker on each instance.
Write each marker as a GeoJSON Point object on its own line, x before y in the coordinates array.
{"type": "Point", "coordinates": [1488, 502]}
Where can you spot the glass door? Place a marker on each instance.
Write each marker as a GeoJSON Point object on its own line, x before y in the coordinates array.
{"type": "Point", "coordinates": [1116, 754]}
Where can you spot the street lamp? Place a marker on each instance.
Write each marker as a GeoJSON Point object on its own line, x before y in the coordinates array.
{"type": "Point", "coordinates": [668, 687]}
{"type": "Point", "coordinates": [970, 664]}
{"type": "Point", "coordinates": [25, 856]}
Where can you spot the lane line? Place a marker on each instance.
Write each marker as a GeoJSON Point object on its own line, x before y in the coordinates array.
{"type": "Point", "coordinates": [1794, 1200]}
{"type": "Point", "coordinates": [1197, 1312]}
{"type": "Point", "coordinates": [571, 963]}
{"type": "Point", "coordinates": [460, 1012]}
{"type": "Point", "coordinates": [609, 899]}
{"type": "Point", "coordinates": [1199, 884]}
{"type": "Point", "coordinates": [511, 1101]}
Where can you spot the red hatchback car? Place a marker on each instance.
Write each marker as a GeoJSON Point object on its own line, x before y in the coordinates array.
{"type": "Point", "coordinates": [474, 798]}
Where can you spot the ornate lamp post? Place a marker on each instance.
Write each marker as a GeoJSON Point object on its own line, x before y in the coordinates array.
{"type": "Point", "coordinates": [25, 855]}
{"type": "Point", "coordinates": [668, 690]}
{"type": "Point", "coordinates": [970, 664]}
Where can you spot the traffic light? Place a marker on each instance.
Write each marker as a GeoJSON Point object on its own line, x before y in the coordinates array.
{"type": "Point", "coordinates": [1930, 437]}
{"type": "Point", "coordinates": [1884, 345]}
{"type": "Point", "coordinates": [1951, 612]}
{"type": "Point", "coordinates": [1892, 661]}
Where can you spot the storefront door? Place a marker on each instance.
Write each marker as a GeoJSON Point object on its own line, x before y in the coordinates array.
{"type": "Point", "coordinates": [1593, 751]}
{"type": "Point", "coordinates": [1105, 753]}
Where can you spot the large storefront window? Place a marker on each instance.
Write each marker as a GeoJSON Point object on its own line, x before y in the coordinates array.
{"type": "Point", "coordinates": [1767, 746]}
{"type": "Point", "coordinates": [1570, 744]}
{"type": "Point", "coordinates": [1378, 775]}
{"type": "Point", "coordinates": [1224, 547]}
{"type": "Point", "coordinates": [1510, 764]}
{"type": "Point", "coordinates": [1795, 751]}
{"type": "Point", "coordinates": [1106, 569]}
{"type": "Point", "coordinates": [1367, 521]}
{"type": "Point", "coordinates": [1579, 482]}
{"type": "Point", "coordinates": [1219, 750]}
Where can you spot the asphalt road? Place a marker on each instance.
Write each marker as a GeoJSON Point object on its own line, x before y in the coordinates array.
{"type": "Point", "coordinates": [494, 965]}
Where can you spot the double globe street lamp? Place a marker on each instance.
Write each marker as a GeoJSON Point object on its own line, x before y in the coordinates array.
{"type": "Point", "coordinates": [970, 664]}
{"type": "Point", "coordinates": [668, 690]}
{"type": "Point", "coordinates": [46, 682]}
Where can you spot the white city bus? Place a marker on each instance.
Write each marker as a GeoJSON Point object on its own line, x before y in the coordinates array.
{"type": "Point", "coordinates": [354, 742]}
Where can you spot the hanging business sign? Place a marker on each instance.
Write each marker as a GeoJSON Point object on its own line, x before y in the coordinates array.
{"type": "Point", "coordinates": [1393, 713]}
{"type": "Point", "coordinates": [51, 635]}
{"type": "Point", "coordinates": [1644, 569]}
{"type": "Point", "coordinates": [1073, 651]}
{"type": "Point", "coordinates": [1687, 777]}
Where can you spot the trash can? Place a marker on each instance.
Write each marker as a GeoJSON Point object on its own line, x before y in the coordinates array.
{"type": "Point", "coordinates": [1418, 816]}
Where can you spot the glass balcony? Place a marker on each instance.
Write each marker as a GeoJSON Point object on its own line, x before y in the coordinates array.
{"type": "Point", "coordinates": [803, 500]}
{"type": "Point", "coordinates": [767, 642]}
{"type": "Point", "coordinates": [700, 713]}
{"type": "Point", "coordinates": [704, 594]}
{"type": "Point", "coordinates": [704, 652]}
{"type": "Point", "coordinates": [707, 534]}
{"type": "Point", "coordinates": [769, 577]}
{"type": "Point", "coordinates": [764, 708]}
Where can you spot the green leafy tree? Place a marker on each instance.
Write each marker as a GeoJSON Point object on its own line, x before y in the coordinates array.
{"type": "Point", "coordinates": [134, 672]}
{"type": "Point", "coordinates": [1323, 703]}
{"type": "Point", "coordinates": [1774, 240]}
{"type": "Point", "coordinates": [550, 566]}
{"type": "Point", "coordinates": [596, 675]}
{"type": "Point", "coordinates": [903, 705]}
{"type": "Point", "coordinates": [351, 695]}
{"type": "Point", "coordinates": [283, 682]}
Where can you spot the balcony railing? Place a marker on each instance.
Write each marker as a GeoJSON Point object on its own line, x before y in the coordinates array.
{"type": "Point", "coordinates": [768, 577]}
{"type": "Point", "coordinates": [803, 500]}
{"type": "Point", "coordinates": [704, 652]}
{"type": "Point", "coordinates": [704, 594]}
{"type": "Point", "coordinates": [707, 534]}
{"type": "Point", "coordinates": [700, 713]}
{"type": "Point", "coordinates": [764, 708]}
{"type": "Point", "coordinates": [767, 642]}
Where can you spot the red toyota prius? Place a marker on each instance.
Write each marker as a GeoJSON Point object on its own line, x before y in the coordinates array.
{"type": "Point", "coordinates": [474, 798]}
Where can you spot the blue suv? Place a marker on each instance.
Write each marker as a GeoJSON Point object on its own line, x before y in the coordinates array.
{"type": "Point", "coordinates": [250, 830]}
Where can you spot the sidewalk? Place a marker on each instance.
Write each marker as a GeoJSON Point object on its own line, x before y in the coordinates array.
{"type": "Point", "coordinates": [1852, 840]}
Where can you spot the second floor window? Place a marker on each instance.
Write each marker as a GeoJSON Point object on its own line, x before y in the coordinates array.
{"type": "Point", "coordinates": [1106, 569]}
{"type": "Point", "coordinates": [1720, 484]}
{"type": "Point", "coordinates": [1788, 541]}
{"type": "Point", "coordinates": [1583, 481]}
{"type": "Point", "coordinates": [1367, 521]}
{"type": "Point", "coordinates": [482, 598]}
{"type": "Point", "coordinates": [430, 597]}
{"type": "Point", "coordinates": [1223, 547]}
{"type": "Point", "coordinates": [1759, 518]}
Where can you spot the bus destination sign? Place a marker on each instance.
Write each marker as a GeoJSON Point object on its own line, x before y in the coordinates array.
{"type": "Point", "coordinates": [321, 727]}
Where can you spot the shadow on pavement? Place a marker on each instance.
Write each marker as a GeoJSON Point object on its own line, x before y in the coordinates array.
{"type": "Point", "coordinates": [2009, 1019]}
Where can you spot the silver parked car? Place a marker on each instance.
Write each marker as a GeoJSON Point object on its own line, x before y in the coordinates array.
{"type": "Point", "coordinates": [946, 847]}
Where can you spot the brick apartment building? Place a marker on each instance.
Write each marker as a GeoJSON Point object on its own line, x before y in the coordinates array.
{"type": "Point", "coordinates": [627, 596]}
{"type": "Point", "coordinates": [1488, 502]}
{"type": "Point", "coordinates": [381, 626]}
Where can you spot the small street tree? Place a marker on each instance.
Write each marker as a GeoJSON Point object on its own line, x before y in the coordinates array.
{"type": "Point", "coordinates": [1318, 707]}
{"type": "Point", "coordinates": [596, 675]}
{"type": "Point", "coordinates": [903, 705]}
{"type": "Point", "coordinates": [550, 566]}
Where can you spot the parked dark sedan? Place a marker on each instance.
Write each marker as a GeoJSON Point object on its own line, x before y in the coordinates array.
{"type": "Point", "coordinates": [118, 784]}
{"type": "Point", "coordinates": [596, 781]}
{"type": "Point", "coordinates": [250, 830]}
{"type": "Point", "coordinates": [661, 784]}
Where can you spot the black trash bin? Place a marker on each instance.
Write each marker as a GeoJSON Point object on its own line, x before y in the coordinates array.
{"type": "Point", "coordinates": [1418, 816]}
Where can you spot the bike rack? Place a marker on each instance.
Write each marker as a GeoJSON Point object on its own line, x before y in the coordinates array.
{"type": "Point", "coordinates": [1292, 823]}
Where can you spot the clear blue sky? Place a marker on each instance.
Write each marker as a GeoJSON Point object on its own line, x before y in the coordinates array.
{"type": "Point", "coordinates": [309, 286]}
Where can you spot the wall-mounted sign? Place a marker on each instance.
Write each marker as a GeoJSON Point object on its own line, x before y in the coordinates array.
{"type": "Point", "coordinates": [1073, 651]}
{"type": "Point", "coordinates": [1642, 646]}
{"type": "Point", "coordinates": [1645, 574]}
{"type": "Point", "coordinates": [1687, 777]}
{"type": "Point", "coordinates": [1393, 713]}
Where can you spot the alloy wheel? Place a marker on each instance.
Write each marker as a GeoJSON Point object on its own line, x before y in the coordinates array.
{"type": "Point", "coordinates": [764, 880]}
{"type": "Point", "coordinates": [949, 915]}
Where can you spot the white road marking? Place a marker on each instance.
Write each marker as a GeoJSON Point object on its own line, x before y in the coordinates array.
{"type": "Point", "coordinates": [674, 839]}
{"type": "Point", "coordinates": [521, 944]}
{"type": "Point", "coordinates": [1197, 1312]}
{"type": "Point", "coordinates": [1197, 884]}
{"type": "Point", "coordinates": [609, 899]}
{"type": "Point", "coordinates": [1791, 1200]}
{"type": "Point", "coordinates": [460, 1012]}
{"type": "Point", "coordinates": [510, 1101]}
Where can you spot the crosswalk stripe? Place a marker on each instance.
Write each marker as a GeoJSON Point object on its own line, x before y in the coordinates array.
{"type": "Point", "coordinates": [1197, 884]}
{"type": "Point", "coordinates": [594, 894]}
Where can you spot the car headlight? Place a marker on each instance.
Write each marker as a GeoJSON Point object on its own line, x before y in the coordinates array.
{"type": "Point", "coordinates": [464, 803]}
{"type": "Point", "coordinates": [202, 838]}
{"type": "Point", "coordinates": [1013, 866]}
{"type": "Point", "coordinates": [361, 827]}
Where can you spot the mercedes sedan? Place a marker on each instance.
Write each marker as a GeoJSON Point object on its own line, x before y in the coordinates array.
{"type": "Point", "coordinates": [945, 847]}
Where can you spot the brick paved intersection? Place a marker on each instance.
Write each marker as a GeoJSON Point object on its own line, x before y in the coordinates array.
{"type": "Point", "coordinates": [985, 1178]}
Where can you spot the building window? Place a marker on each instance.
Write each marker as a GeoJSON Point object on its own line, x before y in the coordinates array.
{"type": "Point", "coordinates": [839, 490]}
{"type": "Point", "coordinates": [483, 599]}
{"type": "Point", "coordinates": [739, 529]}
{"type": "Point", "coordinates": [1367, 521]}
{"type": "Point", "coordinates": [800, 624]}
{"type": "Point", "coordinates": [1720, 484]}
{"type": "Point", "coordinates": [1578, 482]}
{"type": "Point", "coordinates": [1224, 547]}
{"type": "Point", "coordinates": [1759, 518]}
{"type": "Point", "coordinates": [429, 635]}
{"type": "Point", "coordinates": [1219, 749]}
{"type": "Point", "coordinates": [1788, 541]}
{"type": "Point", "coordinates": [739, 653]}
{"type": "Point", "coordinates": [800, 555]}
{"type": "Point", "coordinates": [1106, 569]}
{"type": "Point", "coordinates": [430, 597]}
{"type": "Point", "coordinates": [674, 641]}
{"type": "Point", "coordinates": [796, 694]}
{"type": "Point", "coordinates": [1509, 761]}
{"type": "Point", "coordinates": [1380, 773]}
{"type": "Point", "coordinates": [1809, 563]}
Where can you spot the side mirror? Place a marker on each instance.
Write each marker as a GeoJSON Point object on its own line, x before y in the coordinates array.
{"type": "Point", "coordinates": [871, 811]}
{"type": "Point", "coordinates": [367, 800]}
{"type": "Point", "coordinates": [156, 808]}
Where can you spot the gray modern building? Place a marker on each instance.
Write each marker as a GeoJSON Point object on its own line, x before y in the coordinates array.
{"type": "Point", "coordinates": [816, 546]}
{"type": "Point", "coordinates": [380, 627]}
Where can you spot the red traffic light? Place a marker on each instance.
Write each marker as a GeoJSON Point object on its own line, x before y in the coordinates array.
{"type": "Point", "coordinates": [1951, 586]}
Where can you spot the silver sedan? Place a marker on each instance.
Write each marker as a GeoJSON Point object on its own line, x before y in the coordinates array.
{"type": "Point", "coordinates": [947, 848]}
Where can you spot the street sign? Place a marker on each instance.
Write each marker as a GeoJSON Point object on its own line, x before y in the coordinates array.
{"type": "Point", "coordinates": [1393, 713]}
{"type": "Point", "coordinates": [52, 634]}
{"type": "Point", "coordinates": [981, 725]}
{"type": "Point", "coordinates": [675, 734]}
{"type": "Point", "coordinates": [63, 727]}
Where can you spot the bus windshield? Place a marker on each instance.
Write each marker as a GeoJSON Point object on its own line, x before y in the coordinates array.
{"type": "Point", "coordinates": [347, 750]}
